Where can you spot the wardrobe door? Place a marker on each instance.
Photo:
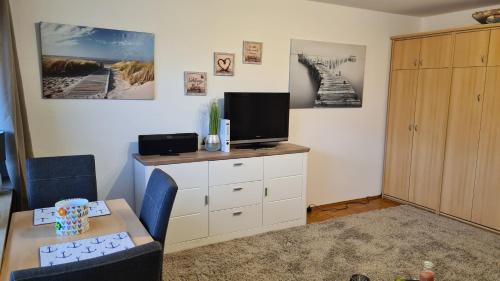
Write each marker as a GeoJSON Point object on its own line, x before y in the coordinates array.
{"type": "Point", "coordinates": [436, 51]}
{"type": "Point", "coordinates": [464, 123]}
{"type": "Point", "coordinates": [405, 54]}
{"type": "Point", "coordinates": [494, 52]}
{"type": "Point", "coordinates": [431, 114]}
{"type": "Point", "coordinates": [486, 205]}
{"type": "Point", "coordinates": [399, 133]}
{"type": "Point", "coordinates": [471, 48]}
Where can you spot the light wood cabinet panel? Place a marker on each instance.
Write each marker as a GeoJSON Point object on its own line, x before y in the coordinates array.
{"type": "Point", "coordinates": [471, 48]}
{"type": "Point", "coordinates": [494, 52]}
{"type": "Point", "coordinates": [436, 51]}
{"type": "Point", "coordinates": [405, 54]}
{"type": "Point", "coordinates": [486, 204]}
{"type": "Point", "coordinates": [400, 133]}
{"type": "Point", "coordinates": [431, 115]}
{"type": "Point", "coordinates": [462, 141]}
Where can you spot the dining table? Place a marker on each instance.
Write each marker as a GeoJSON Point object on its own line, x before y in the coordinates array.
{"type": "Point", "coordinates": [25, 239]}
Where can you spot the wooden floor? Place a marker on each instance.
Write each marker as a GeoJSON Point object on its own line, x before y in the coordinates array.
{"type": "Point", "coordinates": [336, 210]}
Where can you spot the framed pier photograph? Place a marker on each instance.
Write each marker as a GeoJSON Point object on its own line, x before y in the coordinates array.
{"type": "Point", "coordinates": [324, 74]}
{"type": "Point", "coordinates": [81, 62]}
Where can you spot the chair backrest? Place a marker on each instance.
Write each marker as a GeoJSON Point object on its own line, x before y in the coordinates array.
{"type": "Point", "coordinates": [136, 264]}
{"type": "Point", "coordinates": [51, 179]}
{"type": "Point", "coordinates": [157, 204]}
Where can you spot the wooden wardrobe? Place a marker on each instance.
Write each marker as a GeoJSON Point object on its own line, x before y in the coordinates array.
{"type": "Point", "coordinates": [443, 123]}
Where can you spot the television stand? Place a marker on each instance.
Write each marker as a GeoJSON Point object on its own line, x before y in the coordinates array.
{"type": "Point", "coordinates": [255, 146]}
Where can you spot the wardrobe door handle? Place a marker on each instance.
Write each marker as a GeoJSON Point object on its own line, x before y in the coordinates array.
{"type": "Point", "coordinates": [265, 191]}
{"type": "Point", "coordinates": [237, 213]}
{"type": "Point", "coordinates": [421, 62]}
{"type": "Point", "coordinates": [410, 127]}
{"type": "Point", "coordinates": [482, 58]}
{"type": "Point", "coordinates": [415, 62]}
{"type": "Point", "coordinates": [206, 199]}
{"type": "Point", "coordinates": [478, 98]}
{"type": "Point", "coordinates": [416, 128]}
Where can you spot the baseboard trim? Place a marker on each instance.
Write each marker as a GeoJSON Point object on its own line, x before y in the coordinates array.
{"type": "Point", "coordinates": [441, 214]}
{"type": "Point", "coordinates": [359, 200]}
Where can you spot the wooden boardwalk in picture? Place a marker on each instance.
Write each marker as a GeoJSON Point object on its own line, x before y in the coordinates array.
{"type": "Point", "coordinates": [94, 85]}
{"type": "Point", "coordinates": [333, 88]}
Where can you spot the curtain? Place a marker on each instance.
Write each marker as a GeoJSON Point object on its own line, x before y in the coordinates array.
{"type": "Point", "coordinates": [13, 118]}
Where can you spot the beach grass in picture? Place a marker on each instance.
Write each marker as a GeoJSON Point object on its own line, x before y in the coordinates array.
{"type": "Point", "coordinates": [80, 62]}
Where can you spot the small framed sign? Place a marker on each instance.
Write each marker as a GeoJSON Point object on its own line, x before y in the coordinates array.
{"type": "Point", "coordinates": [195, 83]}
{"type": "Point", "coordinates": [252, 52]}
{"type": "Point", "coordinates": [223, 64]}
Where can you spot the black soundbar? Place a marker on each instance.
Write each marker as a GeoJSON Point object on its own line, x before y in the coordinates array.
{"type": "Point", "coordinates": [168, 144]}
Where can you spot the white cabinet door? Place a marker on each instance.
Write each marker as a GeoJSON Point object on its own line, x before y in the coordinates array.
{"type": "Point", "coordinates": [235, 170]}
{"type": "Point", "coordinates": [283, 165]}
{"type": "Point", "coordinates": [190, 201]}
{"type": "Point", "coordinates": [185, 228]}
{"type": "Point", "coordinates": [189, 217]}
{"type": "Point", "coordinates": [187, 175]}
{"type": "Point", "coordinates": [283, 188]}
{"type": "Point", "coordinates": [283, 211]}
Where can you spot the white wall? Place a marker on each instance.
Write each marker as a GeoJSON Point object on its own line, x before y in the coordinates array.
{"type": "Point", "coordinates": [347, 145]}
{"type": "Point", "coordinates": [450, 20]}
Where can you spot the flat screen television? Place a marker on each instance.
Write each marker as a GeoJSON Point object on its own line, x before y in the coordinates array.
{"type": "Point", "coordinates": [257, 119]}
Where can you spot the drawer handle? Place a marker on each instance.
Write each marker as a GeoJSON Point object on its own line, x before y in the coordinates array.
{"type": "Point", "coordinates": [237, 188]}
{"type": "Point", "coordinates": [237, 213]}
{"type": "Point", "coordinates": [206, 199]}
{"type": "Point", "coordinates": [237, 164]}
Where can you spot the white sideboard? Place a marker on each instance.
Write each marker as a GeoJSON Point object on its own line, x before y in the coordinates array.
{"type": "Point", "coordinates": [226, 195]}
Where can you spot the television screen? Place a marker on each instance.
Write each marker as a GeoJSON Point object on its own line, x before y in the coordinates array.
{"type": "Point", "coordinates": [257, 117]}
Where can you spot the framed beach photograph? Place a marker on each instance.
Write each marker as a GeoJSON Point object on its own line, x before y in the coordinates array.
{"type": "Point", "coordinates": [195, 83]}
{"type": "Point", "coordinates": [223, 64]}
{"type": "Point", "coordinates": [81, 62]}
{"type": "Point", "coordinates": [326, 75]}
{"type": "Point", "coordinates": [252, 52]}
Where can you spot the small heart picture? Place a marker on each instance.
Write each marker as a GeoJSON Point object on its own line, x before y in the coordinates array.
{"type": "Point", "coordinates": [223, 64]}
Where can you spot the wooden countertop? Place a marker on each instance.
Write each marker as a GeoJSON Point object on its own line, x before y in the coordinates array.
{"type": "Point", "coordinates": [203, 155]}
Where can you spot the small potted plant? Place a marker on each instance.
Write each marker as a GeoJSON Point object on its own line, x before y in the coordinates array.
{"type": "Point", "coordinates": [212, 142]}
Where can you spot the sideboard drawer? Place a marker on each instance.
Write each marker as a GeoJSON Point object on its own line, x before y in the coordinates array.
{"type": "Point", "coordinates": [283, 165]}
{"type": "Point", "coordinates": [187, 175]}
{"type": "Point", "coordinates": [283, 188]}
{"type": "Point", "coordinates": [236, 219]}
{"type": "Point", "coordinates": [283, 211]}
{"type": "Point", "coordinates": [235, 195]}
{"type": "Point", "coordinates": [235, 170]}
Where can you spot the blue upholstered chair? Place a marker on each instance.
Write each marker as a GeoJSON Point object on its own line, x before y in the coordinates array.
{"type": "Point", "coordinates": [157, 204]}
{"type": "Point", "coordinates": [51, 179]}
{"type": "Point", "coordinates": [136, 264]}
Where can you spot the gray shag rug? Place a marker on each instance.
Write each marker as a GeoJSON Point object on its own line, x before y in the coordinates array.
{"type": "Point", "coordinates": [380, 244]}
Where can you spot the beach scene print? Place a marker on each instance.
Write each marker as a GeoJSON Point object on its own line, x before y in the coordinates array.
{"type": "Point", "coordinates": [80, 62]}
